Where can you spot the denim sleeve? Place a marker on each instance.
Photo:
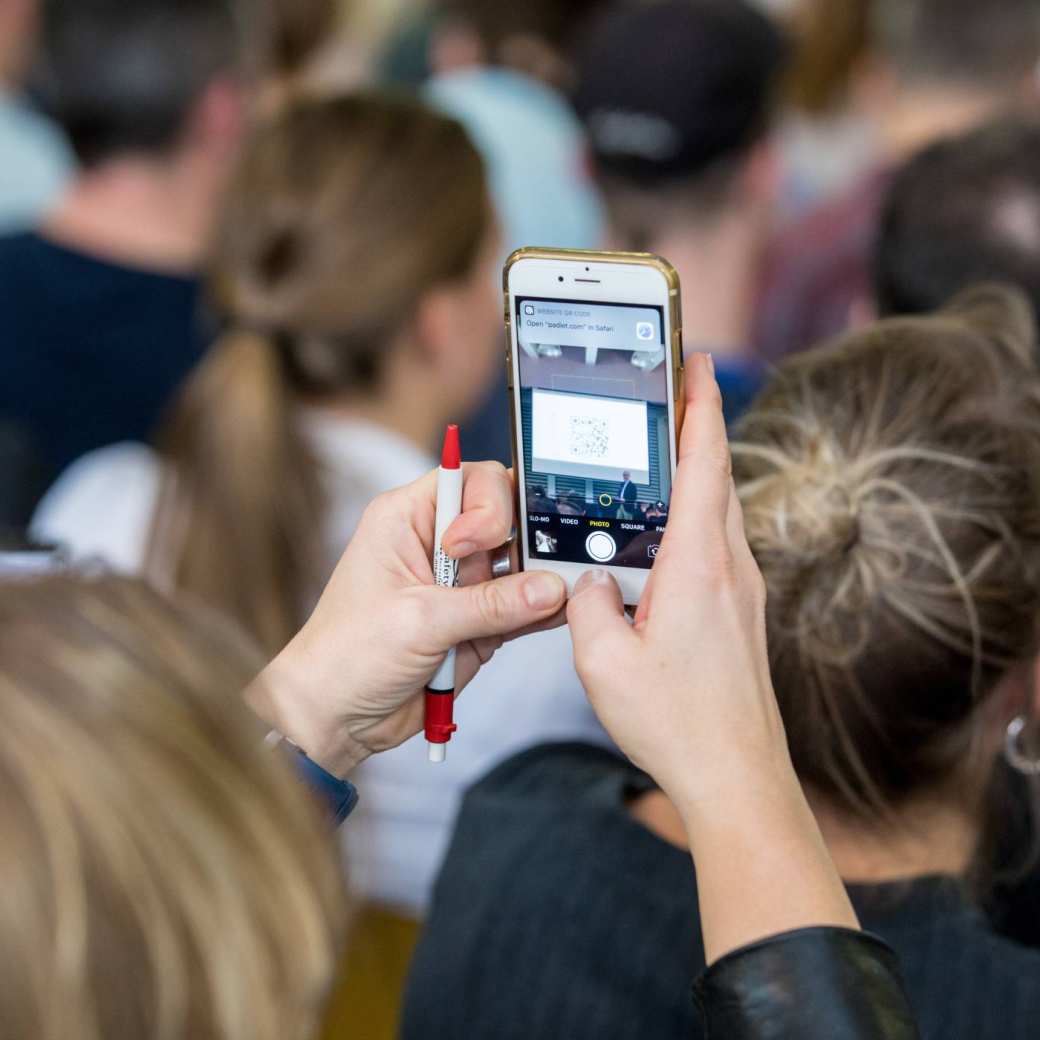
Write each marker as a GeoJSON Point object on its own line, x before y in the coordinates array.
{"type": "Point", "coordinates": [338, 796]}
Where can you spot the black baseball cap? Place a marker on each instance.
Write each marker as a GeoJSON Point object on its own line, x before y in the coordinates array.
{"type": "Point", "coordinates": [665, 89]}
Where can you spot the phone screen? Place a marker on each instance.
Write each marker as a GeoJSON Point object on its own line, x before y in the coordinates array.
{"type": "Point", "coordinates": [594, 420]}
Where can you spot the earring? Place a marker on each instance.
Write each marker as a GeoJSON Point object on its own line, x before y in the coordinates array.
{"type": "Point", "coordinates": [1016, 757]}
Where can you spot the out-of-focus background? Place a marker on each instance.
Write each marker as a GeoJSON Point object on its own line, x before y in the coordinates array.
{"type": "Point", "coordinates": [250, 264]}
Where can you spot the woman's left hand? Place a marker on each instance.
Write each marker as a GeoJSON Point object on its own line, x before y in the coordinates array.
{"type": "Point", "coordinates": [350, 683]}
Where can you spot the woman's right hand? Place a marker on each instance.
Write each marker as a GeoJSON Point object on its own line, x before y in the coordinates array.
{"type": "Point", "coordinates": [686, 694]}
{"type": "Point", "coordinates": [685, 691]}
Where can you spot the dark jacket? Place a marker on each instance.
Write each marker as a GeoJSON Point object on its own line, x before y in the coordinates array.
{"type": "Point", "coordinates": [558, 915]}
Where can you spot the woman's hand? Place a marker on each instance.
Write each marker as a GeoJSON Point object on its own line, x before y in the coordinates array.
{"type": "Point", "coordinates": [686, 694]}
{"type": "Point", "coordinates": [685, 691]}
{"type": "Point", "coordinates": [350, 683]}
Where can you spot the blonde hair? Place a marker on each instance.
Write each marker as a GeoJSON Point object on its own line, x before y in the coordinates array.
{"type": "Point", "coordinates": [164, 875]}
{"type": "Point", "coordinates": [343, 214]}
{"type": "Point", "coordinates": [891, 491]}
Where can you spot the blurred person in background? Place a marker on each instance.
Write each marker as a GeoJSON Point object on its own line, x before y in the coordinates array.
{"type": "Point", "coordinates": [37, 165]}
{"type": "Point", "coordinates": [101, 302]}
{"type": "Point", "coordinates": [890, 485]}
{"type": "Point", "coordinates": [505, 70]}
{"type": "Point", "coordinates": [362, 313]}
{"type": "Point", "coordinates": [297, 46]}
{"type": "Point", "coordinates": [962, 210]}
{"type": "Point", "coordinates": [826, 139]}
{"type": "Point", "coordinates": [934, 68]}
{"type": "Point", "coordinates": [685, 159]}
{"type": "Point", "coordinates": [37, 161]}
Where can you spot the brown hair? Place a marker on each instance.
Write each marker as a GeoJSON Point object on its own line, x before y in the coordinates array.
{"type": "Point", "coordinates": [282, 36]}
{"type": "Point", "coordinates": [992, 46]}
{"type": "Point", "coordinates": [832, 36]}
{"type": "Point", "coordinates": [166, 875]}
{"type": "Point", "coordinates": [891, 491]}
{"type": "Point", "coordinates": [343, 213]}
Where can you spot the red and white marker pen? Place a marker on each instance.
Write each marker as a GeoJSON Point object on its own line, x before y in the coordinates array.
{"type": "Point", "coordinates": [440, 691]}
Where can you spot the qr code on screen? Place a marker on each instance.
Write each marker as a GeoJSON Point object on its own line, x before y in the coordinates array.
{"type": "Point", "coordinates": [590, 437]}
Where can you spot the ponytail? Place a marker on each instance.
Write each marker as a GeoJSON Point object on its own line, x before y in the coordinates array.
{"type": "Point", "coordinates": [240, 514]}
{"type": "Point", "coordinates": [323, 190]}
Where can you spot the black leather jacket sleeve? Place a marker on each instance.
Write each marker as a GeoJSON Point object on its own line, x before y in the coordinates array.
{"type": "Point", "coordinates": [811, 984]}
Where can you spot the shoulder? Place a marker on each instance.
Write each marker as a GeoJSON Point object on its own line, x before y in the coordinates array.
{"type": "Point", "coordinates": [102, 506]}
{"type": "Point", "coordinates": [963, 977]}
{"type": "Point", "coordinates": [16, 247]}
{"type": "Point", "coordinates": [549, 771]}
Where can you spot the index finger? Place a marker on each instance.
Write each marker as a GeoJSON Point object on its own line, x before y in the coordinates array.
{"type": "Point", "coordinates": [487, 516]}
{"type": "Point", "coordinates": [696, 535]}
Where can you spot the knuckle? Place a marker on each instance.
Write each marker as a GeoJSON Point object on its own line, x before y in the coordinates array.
{"type": "Point", "coordinates": [759, 589]}
{"type": "Point", "coordinates": [486, 648]}
{"type": "Point", "coordinates": [495, 469]}
{"type": "Point", "coordinates": [720, 459]}
{"type": "Point", "coordinates": [381, 507]}
{"type": "Point", "coordinates": [718, 565]}
{"type": "Point", "coordinates": [414, 615]}
{"type": "Point", "coordinates": [714, 395]}
{"type": "Point", "coordinates": [492, 603]}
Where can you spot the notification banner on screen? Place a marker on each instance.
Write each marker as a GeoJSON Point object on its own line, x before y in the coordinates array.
{"type": "Point", "coordinates": [597, 438]}
{"type": "Point", "coordinates": [595, 326]}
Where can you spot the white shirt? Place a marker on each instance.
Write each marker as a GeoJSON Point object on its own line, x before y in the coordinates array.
{"type": "Point", "coordinates": [529, 693]}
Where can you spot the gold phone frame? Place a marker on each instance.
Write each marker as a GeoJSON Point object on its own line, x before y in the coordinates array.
{"type": "Point", "coordinates": [671, 277]}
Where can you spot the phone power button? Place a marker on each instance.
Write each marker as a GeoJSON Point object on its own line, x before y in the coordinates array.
{"type": "Point", "coordinates": [600, 546]}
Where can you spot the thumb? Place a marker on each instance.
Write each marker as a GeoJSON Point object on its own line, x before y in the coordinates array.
{"type": "Point", "coordinates": [596, 612]}
{"type": "Point", "coordinates": [495, 608]}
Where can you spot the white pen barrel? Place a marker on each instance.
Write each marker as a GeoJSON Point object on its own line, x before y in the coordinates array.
{"type": "Point", "coordinates": [449, 505]}
{"type": "Point", "coordinates": [445, 569]}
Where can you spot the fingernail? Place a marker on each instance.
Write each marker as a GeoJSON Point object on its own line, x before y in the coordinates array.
{"type": "Point", "coordinates": [461, 550]}
{"type": "Point", "coordinates": [596, 576]}
{"type": "Point", "coordinates": [711, 363]}
{"type": "Point", "coordinates": [542, 591]}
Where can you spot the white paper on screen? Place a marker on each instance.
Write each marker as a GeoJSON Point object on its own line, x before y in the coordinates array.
{"type": "Point", "coordinates": [598, 438]}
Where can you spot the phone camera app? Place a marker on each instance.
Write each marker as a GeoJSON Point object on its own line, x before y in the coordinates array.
{"type": "Point", "coordinates": [593, 415]}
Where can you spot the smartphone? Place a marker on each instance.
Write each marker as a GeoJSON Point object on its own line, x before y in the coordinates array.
{"type": "Point", "coordinates": [595, 374]}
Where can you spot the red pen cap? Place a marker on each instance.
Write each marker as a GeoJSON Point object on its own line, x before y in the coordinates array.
{"type": "Point", "coordinates": [450, 455]}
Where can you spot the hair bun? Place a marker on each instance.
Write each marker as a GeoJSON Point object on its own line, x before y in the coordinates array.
{"type": "Point", "coordinates": [1001, 313]}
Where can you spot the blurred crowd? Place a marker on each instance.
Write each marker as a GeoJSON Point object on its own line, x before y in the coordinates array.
{"type": "Point", "coordinates": [250, 265]}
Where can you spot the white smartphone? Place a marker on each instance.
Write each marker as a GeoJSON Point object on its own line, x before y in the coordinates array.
{"type": "Point", "coordinates": [595, 370]}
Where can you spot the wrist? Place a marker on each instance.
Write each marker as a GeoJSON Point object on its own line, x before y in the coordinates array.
{"type": "Point", "coordinates": [286, 696]}
{"type": "Point", "coordinates": [742, 788]}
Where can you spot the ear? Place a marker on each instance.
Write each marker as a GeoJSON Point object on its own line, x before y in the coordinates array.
{"type": "Point", "coordinates": [760, 179]}
{"type": "Point", "coordinates": [1017, 693]}
{"type": "Point", "coordinates": [435, 326]}
{"type": "Point", "coordinates": [873, 86]}
{"type": "Point", "coordinates": [217, 122]}
{"type": "Point", "coordinates": [1031, 707]}
{"type": "Point", "coordinates": [1029, 89]}
{"type": "Point", "coordinates": [863, 312]}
